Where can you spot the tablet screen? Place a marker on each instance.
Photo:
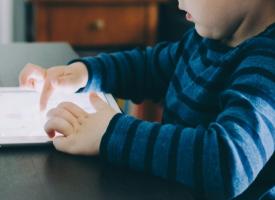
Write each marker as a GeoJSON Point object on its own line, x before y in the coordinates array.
{"type": "Point", "coordinates": [20, 115]}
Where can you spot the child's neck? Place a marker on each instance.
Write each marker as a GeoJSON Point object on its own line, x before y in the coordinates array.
{"type": "Point", "coordinates": [253, 23]}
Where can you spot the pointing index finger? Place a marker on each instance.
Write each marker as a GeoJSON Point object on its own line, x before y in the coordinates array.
{"type": "Point", "coordinates": [45, 95]}
{"type": "Point", "coordinates": [28, 71]}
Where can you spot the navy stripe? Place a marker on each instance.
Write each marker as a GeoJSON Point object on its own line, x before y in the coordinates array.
{"type": "Point", "coordinates": [150, 148]}
{"type": "Point", "coordinates": [225, 154]}
{"type": "Point", "coordinates": [254, 71]}
{"type": "Point", "coordinates": [170, 114]}
{"type": "Point", "coordinates": [242, 103]}
{"type": "Point", "coordinates": [242, 155]}
{"type": "Point", "coordinates": [103, 73]}
{"type": "Point", "coordinates": [211, 86]}
{"type": "Point", "coordinates": [198, 161]}
{"type": "Point", "coordinates": [168, 70]}
{"type": "Point", "coordinates": [106, 137]}
{"type": "Point", "coordinates": [258, 53]}
{"type": "Point", "coordinates": [129, 142]}
{"type": "Point", "coordinates": [185, 56]}
{"type": "Point", "coordinates": [157, 64]}
{"type": "Point", "coordinates": [206, 62]}
{"type": "Point", "coordinates": [270, 126]}
{"type": "Point", "coordinates": [179, 52]}
{"type": "Point", "coordinates": [198, 107]}
{"type": "Point", "coordinates": [145, 69]}
{"type": "Point", "coordinates": [132, 79]}
{"type": "Point", "coordinates": [255, 92]}
{"type": "Point", "coordinates": [217, 63]}
{"type": "Point", "coordinates": [140, 67]}
{"type": "Point", "coordinates": [185, 48]}
{"type": "Point", "coordinates": [203, 57]}
{"type": "Point", "coordinates": [119, 89]}
{"type": "Point", "coordinates": [251, 131]}
{"type": "Point", "coordinates": [170, 58]}
{"type": "Point", "coordinates": [173, 154]}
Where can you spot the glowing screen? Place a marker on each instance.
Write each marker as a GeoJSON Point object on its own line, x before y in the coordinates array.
{"type": "Point", "coordinates": [20, 115]}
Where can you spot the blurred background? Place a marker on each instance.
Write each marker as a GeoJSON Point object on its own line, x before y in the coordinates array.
{"type": "Point", "coordinates": [93, 26]}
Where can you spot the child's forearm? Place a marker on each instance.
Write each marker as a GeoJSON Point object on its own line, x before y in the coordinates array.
{"type": "Point", "coordinates": [215, 161]}
{"type": "Point", "coordinates": [136, 75]}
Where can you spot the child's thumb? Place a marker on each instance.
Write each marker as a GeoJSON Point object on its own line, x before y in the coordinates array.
{"type": "Point", "coordinates": [96, 101]}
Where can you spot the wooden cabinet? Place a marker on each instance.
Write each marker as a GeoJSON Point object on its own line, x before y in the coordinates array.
{"type": "Point", "coordinates": [96, 23]}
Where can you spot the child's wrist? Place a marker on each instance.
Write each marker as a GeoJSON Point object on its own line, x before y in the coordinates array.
{"type": "Point", "coordinates": [81, 67]}
{"type": "Point", "coordinates": [77, 64]}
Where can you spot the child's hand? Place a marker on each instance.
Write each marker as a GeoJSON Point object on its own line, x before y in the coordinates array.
{"type": "Point", "coordinates": [81, 132]}
{"type": "Point", "coordinates": [65, 78]}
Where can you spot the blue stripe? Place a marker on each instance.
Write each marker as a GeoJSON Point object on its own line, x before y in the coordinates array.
{"type": "Point", "coordinates": [106, 137]}
{"type": "Point", "coordinates": [170, 114]}
{"type": "Point", "coordinates": [225, 154]}
{"type": "Point", "coordinates": [173, 154]}
{"type": "Point", "coordinates": [211, 86]}
{"type": "Point", "coordinates": [118, 75]}
{"type": "Point", "coordinates": [139, 146]}
{"type": "Point", "coordinates": [103, 73]}
{"type": "Point", "coordinates": [154, 132]}
{"type": "Point", "coordinates": [258, 53]}
{"type": "Point", "coordinates": [156, 61]}
{"type": "Point", "coordinates": [162, 145]}
{"type": "Point", "coordinates": [257, 92]}
{"type": "Point", "coordinates": [129, 141]}
{"type": "Point", "coordinates": [270, 127]}
{"type": "Point", "coordinates": [132, 73]}
{"type": "Point", "coordinates": [254, 71]}
{"type": "Point", "coordinates": [255, 139]}
{"type": "Point", "coordinates": [198, 161]}
{"type": "Point", "coordinates": [196, 106]}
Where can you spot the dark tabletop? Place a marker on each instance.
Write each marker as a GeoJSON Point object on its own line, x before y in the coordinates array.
{"type": "Point", "coordinates": [40, 172]}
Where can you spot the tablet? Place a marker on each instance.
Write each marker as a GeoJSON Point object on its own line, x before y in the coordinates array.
{"type": "Point", "coordinates": [21, 122]}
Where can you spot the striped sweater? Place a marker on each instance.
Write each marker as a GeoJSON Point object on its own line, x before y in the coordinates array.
{"type": "Point", "coordinates": [217, 135]}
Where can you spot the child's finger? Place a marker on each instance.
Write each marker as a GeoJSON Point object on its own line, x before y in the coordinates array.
{"type": "Point", "coordinates": [74, 109]}
{"type": "Point", "coordinates": [65, 82]}
{"type": "Point", "coordinates": [59, 125]}
{"type": "Point", "coordinates": [23, 76]}
{"type": "Point", "coordinates": [30, 84]}
{"type": "Point", "coordinates": [64, 144]}
{"type": "Point", "coordinates": [97, 102]}
{"type": "Point", "coordinates": [28, 71]}
{"type": "Point", "coordinates": [63, 113]}
{"type": "Point", "coordinates": [45, 95]}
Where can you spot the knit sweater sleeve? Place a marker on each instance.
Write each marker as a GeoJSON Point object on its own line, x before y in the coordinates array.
{"type": "Point", "coordinates": [219, 160]}
{"type": "Point", "coordinates": [136, 74]}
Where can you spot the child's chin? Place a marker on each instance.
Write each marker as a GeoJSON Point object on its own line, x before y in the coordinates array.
{"type": "Point", "coordinates": [205, 33]}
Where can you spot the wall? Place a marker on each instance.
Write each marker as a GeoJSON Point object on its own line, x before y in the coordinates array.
{"type": "Point", "coordinates": [6, 21]}
{"type": "Point", "coordinates": [12, 21]}
{"type": "Point", "coordinates": [19, 20]}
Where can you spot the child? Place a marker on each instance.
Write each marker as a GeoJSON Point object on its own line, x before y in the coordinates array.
{"type": "Point", "coordinates": [217, 134]}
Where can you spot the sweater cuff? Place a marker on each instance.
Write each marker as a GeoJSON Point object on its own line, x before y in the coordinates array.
{"type": "Point", "coordinates": [114, 139]}
{"type": "Point", "coordinates": [94, 74]}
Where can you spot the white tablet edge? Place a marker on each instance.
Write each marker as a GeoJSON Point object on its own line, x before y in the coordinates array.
{"type": "Point", "coordinates": [39, 140]}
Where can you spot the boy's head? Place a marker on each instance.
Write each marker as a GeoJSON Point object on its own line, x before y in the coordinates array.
{"type": "Point", "coordinates": [229, 20]}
